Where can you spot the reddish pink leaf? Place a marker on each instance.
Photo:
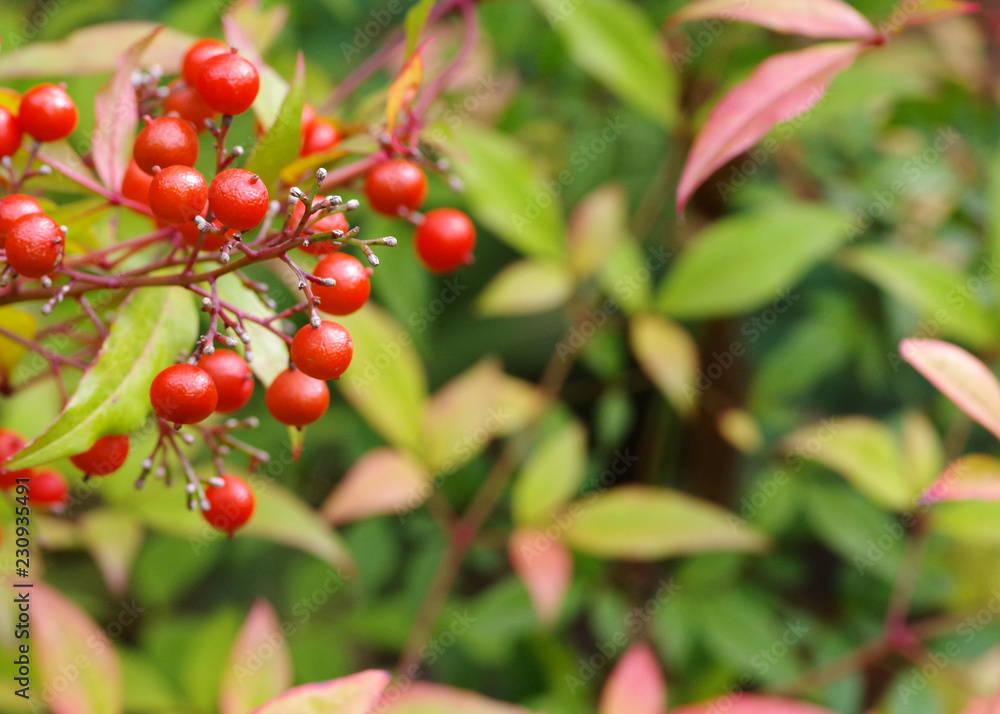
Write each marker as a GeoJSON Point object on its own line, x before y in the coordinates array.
{"type": "Point", "coordinates": [814, 18]}
{"type": "Point", "coordinates": [636, 684]}
{"type": "Point", "coordinates": [260, 665]}
{"type": "Point", "coordinates": [781, 88]}
{"type": "Point", "coordinates": [115, 117]}
{"type": "Point", "coordinates": [740, 703]}
{"type": "Point", "coordinates": [382, 481]}
{"type": "Point", "coordinates": [354, 694]}
{"type": "Point", "coordinates": [928, 11]}
{"type": "Point", "coordinates": [545, 566]}
{"type": "Point", "coordinates": [425, 698]}
{"type": "Point", "coordinates": [960, 376]}
{"type": "Point", "coordinates": [973, 477]}
{"type": "Point", "coordinates": [980, 705]}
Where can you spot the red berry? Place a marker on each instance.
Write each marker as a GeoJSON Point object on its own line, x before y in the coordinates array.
{"type": "Point", "coordinates": [12, 207]}
{"type": "Point", "coordinates": [233, 379]}
{"type": "Point", "coordinates": [34, 245]}
{"type": "Point", "coordinates": [177, 194]}
{"type": "Point", "coordinates": [10, 443]}
{"type": "Point", "coordinates": [197, 53]}
{"type": "Point", "coordinates": [229, 505]}
{"type": "Point", "coordinates": [320, 136]}
{"type": "Point", "coordinates": [296, 399]}
{"type": "Point", "coordinates": [238, 198]}
{"type": "Point", "coordinates": [183, 394]}
{"type": "Point", "coordinates": [10, 132]}
{"type": "Point", "coordinates": [47, 113]}
{"type": "Point", "coordinates": [322, 352]}
{"type": "Point", "coordinates": [47, 487]}
{"type": "Point", "coordinates": [135, 184]}
{"type": "Point", "coordinates": [394, 186]}
{"type": "Point", "coordinates": [351, 289]}
{"type": "Point", "coordinates": [308, 117]}
{"type": "Point", "coordinates": [228, 83]}
{"type": "Point", "coordinates": [188, 104]}
{"type": "Point", "coordinates": [322, 224]}
{"type": "Point", "coordinates": [106, 456]}
{"type": "Point", "coordinates": [165, 141]}
{"type": "Point", "coordinates": [445, 239]}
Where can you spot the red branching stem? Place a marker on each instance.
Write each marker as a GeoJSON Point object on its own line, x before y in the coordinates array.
{"type": "Point", "coordinates": [470, 39]}
{"type": "Point", "coordinates": [54, 357]}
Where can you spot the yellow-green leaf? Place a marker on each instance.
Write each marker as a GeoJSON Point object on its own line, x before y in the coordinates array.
{"type": "Point", "coordinates": [551, 476]}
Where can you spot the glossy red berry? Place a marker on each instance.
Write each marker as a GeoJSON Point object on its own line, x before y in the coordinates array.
{"type": "Point", "coordinates": [308, 117]}
{"type": "Point", "coordinates": [296, 399]}
{"type": "Point", "coordinates": [396, 186]}
{"type": "Point", "coordinates": [197, 53]}
{"type": "Point", "coordinates": [183, 394]}
{"type": "Point", "coordinates": [34, 245]}
{"type": "Point", "coordinates": [233, 379]}
{"type": "Point", "coordinates": [322, 352]}
{"type": "Point", "coordinates": [320, 136]}
{"type": "Point", "coordinates": [10, 132]}
{"type": "Point", "coordinates": [47, 487]}
{"type": "Point", "coordinates": [106, 456]}
{"type": "Point", "coordinates": [177, 194]}
{"type": "Point", "coordinates": [47, 113]}
{"type": "Point", "coordinates": [165, 141]}
{"type": "Point", "coordinates": [445, 239]}
{"type": "Point", "coordinates": [185, 102]}
{"type": "Point", "coordinates": [352, 284]}
{"type": "Point", "coordinates": [228, 83]}
{"type": "Point", "coordinates": [12, 207]}
{"type": "Point", "coordinates": [135, 183]}
{"type": "Point", "coordinates": [322, 224]}
{"type": "Point", "coordinates": [238, 198]}
{"type": "Point", "coordinates": [229, 505]}
{"type": "Point", "coordinates": [10, 443]}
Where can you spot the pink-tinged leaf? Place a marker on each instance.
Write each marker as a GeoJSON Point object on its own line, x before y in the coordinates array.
{"type": "Point", "coordinates": [545, 566]}
{"type": "Point", "coordinates": [980, 705]}
{"type": "Point", "coordinates": [973, 477]}
{"type": "Point", "coordinates": [740, 703]}
{"type": "Point", "coordinates": [113, 538]}
{"type": "Point", "coordinates": [64, 639]}
{"type": "Point", "coordinates": [636, 684]}
{"type": "Point", "coordinates": [382, 481]}
{"type": "Point", "coordinates": [813, 18]}
{"type": "Point", "coordinates": [260, 665]}
{"type": "Point", "coordinates": [960, 376]}
{"type": "Point", "coordinates": [425, 698]}
{"type": "Point", "coordinates": [404, 87]}
{"type": "Point", "coordinates": [355, 694]}
{"type": "Point", "coordinates": [781, 88]}
{"type": "Point", "coordinates": [116, 117]}
{"type": "Point", "coordinates": [930, 11]}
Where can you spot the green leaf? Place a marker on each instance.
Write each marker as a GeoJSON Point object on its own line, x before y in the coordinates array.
{"type": "Point", "coordinates": [152, 328]}
{"type": "Point", "coordinates": [743, 263]}
{"type": "Point", "coordinates": [355, 694]}
{"type": "Point", "coordinates": [526, 287]}
{"type": "Point", "coordinates": [416, 19]}
{"type": "Point", "coordinates": [63, 636]}
{"type": "Point", "coordinates": [427, 698]}
{"type": "Point", "coordinates": [936, 291]}
{"type": "Point", "coordinates": [507, 194]}
{"type": "Point", "coordinates": [598, 224]}
{"type": "Point", "coordinates": [280, 144]}
{"type": "Point", "coordinates": [386, 382]}
{"type": "Point", "coordinates": [113, 538]}
{"type": "Point", "coordinates": [250, 678]}
{"type": "Point", "coordinates": [93, 50]}
{"type": "Point", "coordinates": [646, 523]}
{"type": "Point", "coordinates": [21, 323]}
{"type": "Point", "coordinates": [270, 352]}
{"type": "Point", "coordinates": [614, 41]}
{"type": "Point", "coordinates": [669, 357]}
{"type": "Point", "coordinates": [551, 476]}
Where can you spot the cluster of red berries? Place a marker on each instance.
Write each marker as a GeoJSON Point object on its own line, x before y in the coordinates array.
{"type": "Point", "coordinates": [444, 237]}
{"type": "Point", "coordinates": [45, 113]}
{"type": "Point", "coordinates": [32, 241]}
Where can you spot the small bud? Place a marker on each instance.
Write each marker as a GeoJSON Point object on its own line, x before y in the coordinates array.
{"type": "Point", "coordinates": [209, 350]}
{"type": "Point", "coordinates": [456, 184]}
{"type": "Point", "coordinates": [315, 321]}
{"type": "Point", "coordinates": [390, 241]}
{"type": "Point", "coordinates": [6, 162]}
{"type": "Point", "coordinates": [274, 206]}
{"type": "Point", "coordinates": [191, 488]}
{"type": "Point", "coordinates": [373, 259]}
{"type": "Point", "coordinates": [237, 152]}
{"type": "Point", "coordinates": [206, 302]}
{"type": "Point", "coordinates": [231, 341]}
{"type": "Point", "coordinates": [223, 257]}
{"type": "Point", "coordinates": [321, 175]}
{"type": "Point", "coordinates": [187, 439]}
{"type": "Point", "coordinates": [147, 464]}
{"type": "Point", "coordinates": [64, 230]}
{"type": "Point", "coordinates": [46, 281]}
{"type": "Point", "coordinates": [334, 201]}
{"type": "Point", "coordinates": [327, 282]}
{"type": "Point", "coordinates": [296, 192]}
{"type": "Point", "coordinates": [222, 451]}
{"type": "Point", "coordinates": [231, 423]}
{"type": "Point", "coordinates": [44, 170]}
{"type": "Point", "coordinates": [351, 205]}
{"type": "Point", "coordinates": [46, 309]}
{"type": "Point", "coordinates": [248, 356]}
{"type": "Point", "coordinates": [302, 284]}
{"type": "Point", "coordinates": [205, 505]}
{"type": "Point", "coordinates": [252, 422]}
{"type": "Point", "coordinates": [217, 482]}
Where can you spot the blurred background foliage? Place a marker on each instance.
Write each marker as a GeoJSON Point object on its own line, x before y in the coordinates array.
{"type": "Point", "coordinates": [845, 302]}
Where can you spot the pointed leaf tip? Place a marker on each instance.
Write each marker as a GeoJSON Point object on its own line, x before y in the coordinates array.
{"type": "Point", "coordinates": [636, 684]}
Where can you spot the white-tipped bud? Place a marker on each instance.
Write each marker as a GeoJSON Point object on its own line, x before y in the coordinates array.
{"type": "Point", "coordinates": [327, 282]}
{"type": "Point", "coordinates": [209, 350]}
{"type": "Point", "coordinates": [215, 480]}
{"type": "Point", "coordinates": [373, 259]}
{"type": "Point", "coordinates": [321, 174]}
{"type": "Point", "coordinates": [237, 151]}
{"type": "Point", "coordinates": [352, 205]}
{"type": "Point", "coordinates": [296, 192]}
{"type": "Point", "coordinates": [44, 170]}
{"type": "Point", "coordinates": [390, 241]}
{"type": "Point", "coordinates": [191, 488]}
{"type": "Point", "coordinates": [315, 321]}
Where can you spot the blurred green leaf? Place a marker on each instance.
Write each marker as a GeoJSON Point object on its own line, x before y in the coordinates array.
{"type": "Point", "coordinates": [646, 523]}
{"type": "Point", "coordinates": [941, 295]}
{"type": "Point", "coordinates": [356, 694]}
{"type": "Point", "coordinates": [669, 357]}
{"type": "Point", "coordinates": [526, 287]}
{"type": "Point", "coordinates": [744, 262]}
{"type": "Point", "coordinates": [259, 665]}
{"type": "Point", "coordinates": [614, 41]}
{"type": "Point", "coordinates": [386, 381]}
{"type": "Point", "coordinates": [507, 194]}
{"type": "Point", "coordinates": [550, 476]}
{"type": "Point", "coordinates": [270, 352]}
{"type": "Point", "coordinates": [114, 539]}
{"type": "Point", "coordinates": [416, 19]}
{"type": "Point", "coordinates": [598, 224]}
{"type": "Point", "coordinates": [280, 144]}
{"type": "Point", "coordinates": [22, 324]}
{"type": "Point", "coordinates": [151, 330]}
